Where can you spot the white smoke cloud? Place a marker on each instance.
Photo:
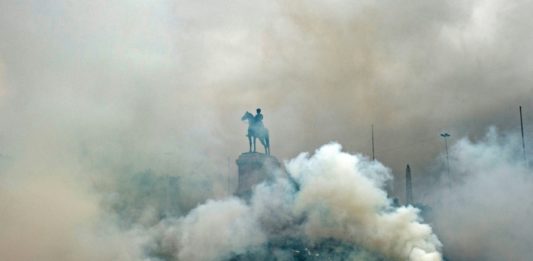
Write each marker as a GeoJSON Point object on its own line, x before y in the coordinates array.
{"type": "Point", "coordinates": [340, 197]}
{"type": "Point", "coordinates": [217, 229]}
{"type": "Point", "coordinates": [485, 211]}
{"type": "Point", "coordinates": [99, 89]}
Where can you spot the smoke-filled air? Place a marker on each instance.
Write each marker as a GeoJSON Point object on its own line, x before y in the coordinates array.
{"type": "Point", "coordinates": [387, 130]}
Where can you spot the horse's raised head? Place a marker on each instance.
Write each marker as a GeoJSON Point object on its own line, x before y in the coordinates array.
{"type": "Point", "coordinates": [246, 116]}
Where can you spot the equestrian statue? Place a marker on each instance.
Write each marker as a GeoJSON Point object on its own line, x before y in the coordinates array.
{"type": "Point", "coordinates": [256, 130]}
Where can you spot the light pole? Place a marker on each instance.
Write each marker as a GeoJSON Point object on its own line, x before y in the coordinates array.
{"type": "Point", "coordinates": [445, 136]}
{"type": "Point", "coordinates": [522, 129]}
{"type": "Point", "coordinates": [373, 157]}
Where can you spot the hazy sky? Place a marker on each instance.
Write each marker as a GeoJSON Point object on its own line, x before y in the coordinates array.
{"type": "Point", "coordinates": [163, 84]}
{"type": "Point", "coordinates": [95, 91]}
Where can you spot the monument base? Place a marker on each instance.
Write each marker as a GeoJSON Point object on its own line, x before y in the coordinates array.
{"type": "Point", "coordinates": [255, 168]}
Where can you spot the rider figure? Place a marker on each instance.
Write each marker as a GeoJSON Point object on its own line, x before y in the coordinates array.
{"type": "Point", "coordinates": [258, 119]}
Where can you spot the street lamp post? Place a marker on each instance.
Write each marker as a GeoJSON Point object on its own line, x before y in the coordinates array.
{"type": "Point", "coordinates": [445, 136]}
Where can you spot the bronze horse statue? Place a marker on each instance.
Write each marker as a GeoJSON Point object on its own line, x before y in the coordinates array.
{"type": "Point", "coordinates": [256, 131]}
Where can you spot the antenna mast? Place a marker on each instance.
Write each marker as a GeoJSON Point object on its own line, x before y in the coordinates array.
{"type": "Point", "coordinates": [373, 157]}
{"type": "Point", "coordinates": [522, 129]}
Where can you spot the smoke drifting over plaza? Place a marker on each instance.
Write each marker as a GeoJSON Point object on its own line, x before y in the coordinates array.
{"type": "Point", "coordinates": [120, 126]}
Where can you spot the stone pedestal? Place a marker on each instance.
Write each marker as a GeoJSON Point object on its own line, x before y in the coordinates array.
{"type": "Point", "coordinates": [254, 168]}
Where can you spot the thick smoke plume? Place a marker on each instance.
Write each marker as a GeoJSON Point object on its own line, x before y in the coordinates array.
{"type": "Point", "coordinates": [483, 210]}
{"type": "Point", "coordinates": [339, 197]}
{"type": "Point", "coordinates": [118, 114]}
{"type": "Point", "coordinates": [161, 84]}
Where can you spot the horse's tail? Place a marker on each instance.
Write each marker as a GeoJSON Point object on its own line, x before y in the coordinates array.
{"type": "Point", "coordinates": [267, 141]}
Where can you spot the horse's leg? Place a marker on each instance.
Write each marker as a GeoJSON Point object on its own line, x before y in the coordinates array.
{"type": "Point", "coordinates": [255, 144]}
{"type": "Point", "coordinates": [262, 139]}
{"type": "Point", "coordinates": [250, 142]}
{"type": "Point", "coordinates": [267, 147]}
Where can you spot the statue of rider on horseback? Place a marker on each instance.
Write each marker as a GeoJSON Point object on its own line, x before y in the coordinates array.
{"type": "Point", "coordinates": [256, 130]}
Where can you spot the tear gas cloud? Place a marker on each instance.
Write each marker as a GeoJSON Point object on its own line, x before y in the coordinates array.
{"type": "Point", "coordinates": [119, 125]}
{"type": "Point", "coordinates": [327, 205]}
{"type": "Point", "coordinates": [482, 210]}
{"type": "Point", "coordinates": [125, 82]}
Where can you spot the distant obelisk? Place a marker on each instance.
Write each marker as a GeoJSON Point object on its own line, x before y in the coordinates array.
{"type": "Point", "coordinates": [408, 186]}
